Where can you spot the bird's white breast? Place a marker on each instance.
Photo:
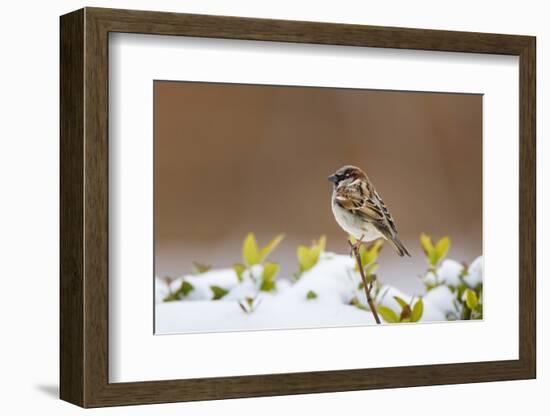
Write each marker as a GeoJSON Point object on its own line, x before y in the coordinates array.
{"type": "Point", "coordinates": [354, 225]}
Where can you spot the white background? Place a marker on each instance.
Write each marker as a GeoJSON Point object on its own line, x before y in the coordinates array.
{"type": "Point", "coordinates": [136, 60]}
{"type": "Point", "coordinates": [29, 210]}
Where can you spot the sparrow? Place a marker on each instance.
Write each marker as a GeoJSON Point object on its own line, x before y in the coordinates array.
{"type": "Point", "coordinates": [359, 210]}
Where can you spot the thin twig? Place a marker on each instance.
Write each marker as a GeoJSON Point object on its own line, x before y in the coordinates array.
{"type": "Point", "coordinates": [365, 283]}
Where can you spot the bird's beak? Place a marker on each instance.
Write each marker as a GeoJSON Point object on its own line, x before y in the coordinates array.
{"type": "Point", "coordinates": [333, 178]}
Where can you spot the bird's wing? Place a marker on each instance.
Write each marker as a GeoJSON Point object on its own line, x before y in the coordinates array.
{"type": "Point", "coordinates": [361, 198]}
{"type": "Point", "coordinates": [388, 219]}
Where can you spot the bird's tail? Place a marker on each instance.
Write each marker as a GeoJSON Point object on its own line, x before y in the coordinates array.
{"type": "Point", "coordinates": [399, 247]}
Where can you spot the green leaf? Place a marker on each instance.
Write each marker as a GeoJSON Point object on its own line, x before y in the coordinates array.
{"type": "Point", "coordinates": [368, 257]}
{"type": "Point", "coordinates": [307, 258]}
{"type": "Point", "coordinates": [442, 247]}
{"type": "Point", "coordinates": [219, 292]}
{"type": "Point", "coordinates": [185, 288]}
{"type": "Point", "coordinates": [251, 256]}
{"type": "Point", "coordinates": [239, 269]}
{"type": "Point", "coordinates": [401, 302]}
{"type": "Point", "coordinates": [426, 243]}
{"type": "Point", "coordinates": [363, 256]}
{"type": "Point", "coordinates": [199, 268]}
{"type": "Point", "coordinates": [315, 253]}
{"type": "Point", "coordinates": [182, 291]}
{"type": "Point", "coordinates": [471, 298]}
{"type": "Point", "coordinates": [302, 252]}
{"type": "Point", "coordinates": [311, 295]}
{"type": "Point", "coordinates": [370, 269]}
{"type": "Point", "coordinates": [269, 247]}
{"type": "Point", "coordinates": [434, 258]}
{"type": "Point", "coordinates": [418, 310]}
{"type": "Point", "coordinates": [370, 254]}
{"type": "Point", "coordinates": [322, 244]}
{"type": "Point", "coordinates": [171, 297]}
{"type": "Point", "coordinates": [270, 271]}
{"type": "Point", "coordinates": [268, 276]}
{"type": "Point", "coordinates": [249, 301]}
{"type": "Point", "coordinates": [387, 314]}
{"type": "Point", "coordinates": [374, 250]}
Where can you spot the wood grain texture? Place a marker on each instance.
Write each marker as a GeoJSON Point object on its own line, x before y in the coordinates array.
{"type": "Point", "coordinates": [527, 208]}
{"type": "Point", "coordinates": [71, 100]}
{"type": "Point", "coordinates": [84, 207]}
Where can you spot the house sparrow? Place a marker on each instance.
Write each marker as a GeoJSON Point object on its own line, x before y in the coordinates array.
{"type": "Point", "coordinates": [360, 211]}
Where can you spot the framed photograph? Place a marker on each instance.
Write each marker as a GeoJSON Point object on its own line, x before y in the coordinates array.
{"type": "Point", "coordinates": [255, 207]}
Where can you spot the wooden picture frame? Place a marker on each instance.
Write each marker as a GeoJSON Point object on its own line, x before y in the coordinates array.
{"type": "Point", "coordinates": [84, 207]}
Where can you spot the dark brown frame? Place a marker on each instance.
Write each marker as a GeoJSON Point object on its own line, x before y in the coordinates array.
{"type": "Point", "coordinates": [84, 207]}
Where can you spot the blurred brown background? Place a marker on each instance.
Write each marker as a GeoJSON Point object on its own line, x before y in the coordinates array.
{"type": "Point", "coordinates": [233, 158]}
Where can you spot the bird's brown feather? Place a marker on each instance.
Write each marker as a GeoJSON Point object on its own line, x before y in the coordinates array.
{"type": "Point", "coordinates": [361, 198]}
{"type": "Point", "coordinates": [358, 198]}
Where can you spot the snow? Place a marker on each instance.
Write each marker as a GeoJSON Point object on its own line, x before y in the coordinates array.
{"type": "Point", "coordinates": [271, 313]}
{"type": "Point", "coordinates": [448, 272]}
{"type": "Point", "coordinates": [224, 278]}
{"type": "Point", "coordinates": [440, 298]}
{"type": "Point", "coordinates": [431, 278]}
{"type": "Point", "coordinates": [475, 273]}
{"type": "Point", "coordinates": [386, 297]}
{"type": "Point", "coordinates": [333, 280]}
{"type": "Point", "coordinates": [161, 291]}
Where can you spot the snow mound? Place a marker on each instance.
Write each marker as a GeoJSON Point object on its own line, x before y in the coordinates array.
{"type": "Point", "coordinates": [271, 313]}
{"type": "Point", "coordinates": [475, 273]}
{"type": "Point", "coordinates": [321, 297]}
